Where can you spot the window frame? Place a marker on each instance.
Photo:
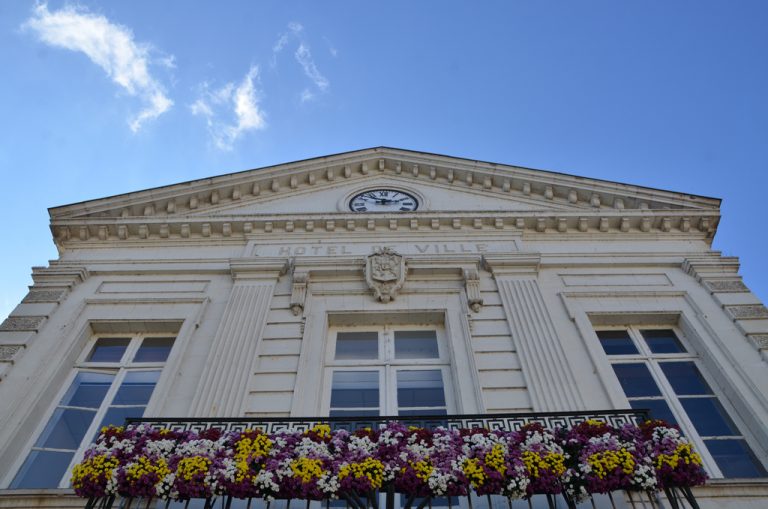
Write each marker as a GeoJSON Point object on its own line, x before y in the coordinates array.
{"type": "Point", "coordinates": [119, 370]}
{"type": "Point", "coordinates": [654, 361]}
{"type": "Point", "coordinates": [387, 365]}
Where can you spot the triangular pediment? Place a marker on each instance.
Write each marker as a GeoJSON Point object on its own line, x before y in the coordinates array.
{"type": "Point", "coordinates": [321, 186]}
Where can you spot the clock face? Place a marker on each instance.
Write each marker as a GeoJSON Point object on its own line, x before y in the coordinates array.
{"type": "Point", "coordinates": [383, 200]}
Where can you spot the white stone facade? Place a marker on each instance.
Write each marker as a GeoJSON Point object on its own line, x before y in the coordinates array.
{"type": "Point", "coordinates": [252, 273]}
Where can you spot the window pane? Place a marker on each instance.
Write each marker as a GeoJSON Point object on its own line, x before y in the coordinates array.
{"type": "Point", "coordinates": [708, 417]}
{"type": "Point", "coordinates": [685, 378]}
{"type": "Point", "coordinates": [66, 428]}
{"type": "Point", "coordinates": [88, 390]}
{"type": "Point", "coordinates": [355, 389]}
{"type": "Point", "coordinates": [154, 350]}
{"type": "Point", "coordinates": [735, 458]}
{"type": "Point", "coordinates": [357, 345]}
{"type": "Point", "coordinates": [662, 341]}
{"type": "Point", "coordinates": [108, 349]}
{"type": "Point", "coordinates": [136, 388]}
{"type": "Point", "coordinates": [616, 342]}
{"type": "Point", "coordinates": [658, 409]}
{"type": "Point", "coordinates": [416, 345]}
{"type": "Point", "coordinates": [116, 416]}
{"type": "Point", "coordinates": [42, 469]}
{"type": "Point", "coordinates": [636, 380]}
{"type": "Point", "coordinates": [420, 388]}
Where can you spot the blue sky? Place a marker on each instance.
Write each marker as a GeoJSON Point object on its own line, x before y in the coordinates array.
{"type": "Point", "coordinates": [105, 98]}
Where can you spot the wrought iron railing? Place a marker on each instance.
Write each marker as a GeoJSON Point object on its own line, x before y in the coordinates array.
{"type": "Point", "coordinates": [675, 498]}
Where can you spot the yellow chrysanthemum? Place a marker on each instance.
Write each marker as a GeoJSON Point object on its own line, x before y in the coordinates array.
{"type": "Point", "coordinates": [371, 468]}
{"type": "Point", "coordinates": [474, 472]}
{"type": "Point", "coordinates": [495, 459]}
{"type": "Point", "coordinates": [322, 430]}
{"type": "Point", "coordinates": [551, 461]}
{"type": "Point", "coordinates": [307, 469]}
{"type": "Point", "coordinates": [143, 466]}
{"type": "Point", "coordinates": [190, 467]}
{"type": "Point", "coordinates": [683, 453]}
{"type": "Point", "coordinates": [605, 462]}
{"type": "Point", "coordinates": [92, 468]}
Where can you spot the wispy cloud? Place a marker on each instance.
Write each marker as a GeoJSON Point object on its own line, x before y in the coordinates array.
{"type": "Point", "coordinates": [110, 46]}
{"type": "Point", "coordinates": [242, 100]}
{"type": "Point", "coordinates": [303, 56]}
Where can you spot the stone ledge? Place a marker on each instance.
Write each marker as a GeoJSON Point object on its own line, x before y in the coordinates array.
{"type": "Point", "coordinates": [22, 323]}
{"type": "Point", "coordinates": [50, 498]}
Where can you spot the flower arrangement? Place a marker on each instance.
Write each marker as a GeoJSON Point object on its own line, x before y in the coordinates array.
{"type": "Point", "coordinates": [321, 463]}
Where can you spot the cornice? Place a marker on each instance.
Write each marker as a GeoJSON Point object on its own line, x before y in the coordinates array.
{"type": "Point", "coordinates": [560, 225]}
{"type": "Point", "coordinates": [231, 190]}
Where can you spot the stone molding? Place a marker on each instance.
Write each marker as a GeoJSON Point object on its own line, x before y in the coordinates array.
{"type": "Point", "coordinates": [35, 295]}
{"type": "Point", "coordinates": [97, 231]}
{"type": "Point", "coordinates": [759, 340]}
{"type": "Point", "coordinates": [748, 312]}
{"type": "Point", "coordinates": [22, 323]}
{"type": "Point", "coordinates": [725, 286]}
{"type": "Point", "coordinates": [8, 352]}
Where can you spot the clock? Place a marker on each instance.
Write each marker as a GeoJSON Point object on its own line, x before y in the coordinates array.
{"type": "Point", "coordinates": [383, 200]}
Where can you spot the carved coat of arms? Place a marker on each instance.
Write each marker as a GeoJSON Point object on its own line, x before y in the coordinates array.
{"type": "Point", "coordinates": [385, 273]}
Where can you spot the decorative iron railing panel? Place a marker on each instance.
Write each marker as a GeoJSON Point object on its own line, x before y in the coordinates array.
{"type": "Point", "coordinates": [505, 422]}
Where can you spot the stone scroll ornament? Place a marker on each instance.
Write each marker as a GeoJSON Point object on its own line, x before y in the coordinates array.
{"type": "Point", "coordinates": [385, 273]}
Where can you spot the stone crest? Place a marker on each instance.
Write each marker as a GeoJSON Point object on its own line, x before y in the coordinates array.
{"type": "Point", "coordinates": [385, 273]}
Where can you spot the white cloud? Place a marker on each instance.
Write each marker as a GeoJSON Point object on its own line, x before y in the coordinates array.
{"type": "Point", "coordinates": [304, 57]}
{"type": "Point", "coordinates": [112, 47]}
{"type": "Point", "coordinates": [307, 95]}
{"type": "Point", "coordinates": [241, 99]}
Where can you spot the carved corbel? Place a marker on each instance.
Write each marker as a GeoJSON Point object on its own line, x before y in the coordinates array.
{"type": "Point", "coordinates": [299, 291]}
{"type": "Point", "coordinates": [472, 286]}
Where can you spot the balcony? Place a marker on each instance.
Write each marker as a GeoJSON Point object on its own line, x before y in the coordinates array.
{"type": "Point", "coordinates": [396, 493]}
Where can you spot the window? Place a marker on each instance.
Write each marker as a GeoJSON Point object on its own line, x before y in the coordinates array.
{"type": "Point", "coordinates": [113, 380]}
{"type": "Point", "coordinates": [388, 371]}
{"type": "Point", "coordinates": [657, 371]}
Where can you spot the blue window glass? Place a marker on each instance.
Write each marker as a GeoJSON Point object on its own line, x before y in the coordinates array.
{"type": "Point", "coordinates": [709, 417]}
{"type": "Point", "coordinates": [636, 380]}
{"type": "Point", "coordinates": [108, 349]}
{"type": "Point", "coordinates": [616, 342]}
{"type": "Point", "coordinates": [355, 389]}
{"type": "Point", "coordinates": [685, 378]}
{"type": "Point", "coordinates": [42, 469]}
{"type": "Point", "coordinates": [662, 341]}
{"type": "Point", "coordinates": [420, 388]}
{"type": "Point", "coordinates": [735, 458]}
{"type": "Point", "coordinates": [136, 388]}
{"type": "Point", "coordinates": [88, 390]}
{"type": "Point", "coordinates": [66, 428]}
{"type": "Point", "coordinates": [416, 345]}
{"type": "Point", "coordinates": [357, 345]}
{"type": "Point", "coordinates": [154, 350]}
{"type": "Point", "coordinates": [659, 409]}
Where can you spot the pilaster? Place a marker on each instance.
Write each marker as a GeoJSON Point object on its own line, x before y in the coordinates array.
{"type": "Point", "coordinates": [550, 379]}
{"type": "Point", "coordinates": [223, 384]}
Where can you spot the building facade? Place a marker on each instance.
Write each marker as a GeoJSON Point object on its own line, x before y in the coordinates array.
{"type": "Point", "coordinates": [384, 282]}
